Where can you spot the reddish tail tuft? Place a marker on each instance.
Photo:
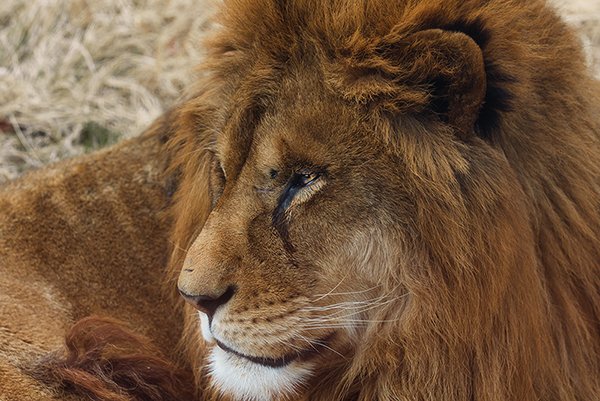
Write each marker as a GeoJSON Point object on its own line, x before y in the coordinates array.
{"type": "Point", "coordinates": [106, 361]}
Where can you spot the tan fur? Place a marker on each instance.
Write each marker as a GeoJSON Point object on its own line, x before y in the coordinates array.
{"type": "Point", "coordinates": [447, 246]}
{"type": "Point", "coordinates": [458, 208]}
{"type": "Point", "coordinates": [86, 236]}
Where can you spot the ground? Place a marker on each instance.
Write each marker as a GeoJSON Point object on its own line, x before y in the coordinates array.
{"type": "Point", "coordinates": [77, 75]}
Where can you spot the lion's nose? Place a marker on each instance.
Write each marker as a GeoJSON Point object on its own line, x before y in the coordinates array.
{"type": "Point", "coordinates": [208, 304]}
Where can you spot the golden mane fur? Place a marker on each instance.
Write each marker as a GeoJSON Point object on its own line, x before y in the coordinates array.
{"type": "Point", "coordinates": [506, 287]}
{"type": "Point", "coordinates": [474, 216]}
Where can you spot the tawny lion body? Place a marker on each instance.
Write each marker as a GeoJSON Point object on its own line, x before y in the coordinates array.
{"type": "Point", "coordinates": [87, 236]}
{"type": "Point", "coordinates": [385, 200]}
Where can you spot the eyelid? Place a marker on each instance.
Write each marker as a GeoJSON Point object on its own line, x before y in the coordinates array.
{"type": "Point", "coordinates": [309, 178]}
{"type": "Point", "coordinates": [294, 196]}
{"type": "Point", "coordinates": [298, 193]}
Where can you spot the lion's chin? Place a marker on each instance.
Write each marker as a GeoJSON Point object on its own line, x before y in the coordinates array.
{"type": "Point", "coordinates": [243, 379]}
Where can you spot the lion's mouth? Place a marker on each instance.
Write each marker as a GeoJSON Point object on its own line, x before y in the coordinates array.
{"type": "Point", "coordinates": [284, 360]}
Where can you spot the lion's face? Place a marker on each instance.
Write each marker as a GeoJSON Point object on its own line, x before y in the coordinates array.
{"type": "Point", "coordinates": [351, 195]}
{"type": "Point", "coordinates": [289, 264]}
{"type": "Point", "coordinates": [378, 204]}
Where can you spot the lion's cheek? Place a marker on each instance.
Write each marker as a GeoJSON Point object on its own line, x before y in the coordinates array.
{"type": "Point", "coordinates": [245, 380]}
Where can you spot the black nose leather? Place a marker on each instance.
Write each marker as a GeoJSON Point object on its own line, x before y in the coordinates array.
{"type": "Point", "coordinates": [208, 304]}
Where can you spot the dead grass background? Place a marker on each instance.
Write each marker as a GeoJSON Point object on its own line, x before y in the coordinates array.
{"type": "Point", "coordinates": [76, 75]}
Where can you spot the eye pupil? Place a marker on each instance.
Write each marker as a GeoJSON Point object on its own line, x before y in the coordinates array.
{"type": "Point", "coordinates": [273, 174]}
{"type": "Point", "coordinates": [307, 178]}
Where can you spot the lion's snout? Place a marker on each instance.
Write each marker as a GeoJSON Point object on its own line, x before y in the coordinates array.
{"type": "Point", "coordinates": [206, 303]}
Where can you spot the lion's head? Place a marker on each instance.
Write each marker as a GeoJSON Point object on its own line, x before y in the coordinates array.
{"type": "Point", "coordinates": [373, 204]}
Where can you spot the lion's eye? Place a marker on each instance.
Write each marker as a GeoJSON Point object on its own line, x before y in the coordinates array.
{"type": "Point", "coordinates": [305, 179]}
{"type": "Point", "coordinates": [301, 187]}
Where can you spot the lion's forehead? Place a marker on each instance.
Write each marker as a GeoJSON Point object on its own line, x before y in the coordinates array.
{"type": "Point", "coordinates": [319, 131]}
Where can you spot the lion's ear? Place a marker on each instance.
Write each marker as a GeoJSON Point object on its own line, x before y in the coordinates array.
{"type": "Point", "coordinates": [433, 71]}
{"type": "Point", "coordinates": [450, 66]}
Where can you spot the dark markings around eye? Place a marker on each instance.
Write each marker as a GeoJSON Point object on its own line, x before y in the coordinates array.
{"type": "Point", "coordinates": [280, 214]}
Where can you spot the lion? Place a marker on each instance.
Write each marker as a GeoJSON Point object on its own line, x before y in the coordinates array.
{"type": "Point", "coordinates": [87, 236]}
{"type": "Point", "coordinates": [381, 200]}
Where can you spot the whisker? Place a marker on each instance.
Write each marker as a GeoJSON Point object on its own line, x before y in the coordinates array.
{"type": "Point", "coordinates": [344, 324]}
{"type": "Point", "coordinates": [336, 316]}
{"type": "Point", "coordinates": [321, 344]}
{"type": "Point", "coordinates": [321, 296]}
{"type": "Point", "coordinates": [344, 306]}
{"type": "Point", "coordinates": [333, 289]}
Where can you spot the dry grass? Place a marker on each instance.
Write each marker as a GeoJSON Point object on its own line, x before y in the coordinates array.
{"type": "Point", "coordinates": [585, 16]}
{"type": "Point", "coordinates": [79, 74]}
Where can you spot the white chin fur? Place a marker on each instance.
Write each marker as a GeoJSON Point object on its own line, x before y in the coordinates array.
{"type": "Point", "coordinates": [248, 381]}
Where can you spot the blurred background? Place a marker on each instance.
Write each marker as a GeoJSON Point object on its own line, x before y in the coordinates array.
{"type": "Point", "coordinates": [77, 75]}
